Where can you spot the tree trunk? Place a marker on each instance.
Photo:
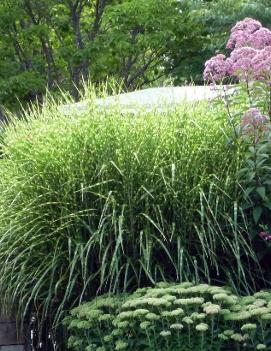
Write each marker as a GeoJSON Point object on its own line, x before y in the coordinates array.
{"type": "Point", "coordinates": [46, 47]}
{"type": "Point", "coordinates": [79, 71]}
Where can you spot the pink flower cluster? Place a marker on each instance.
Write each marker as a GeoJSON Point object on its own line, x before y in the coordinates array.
{"type": "Point", "coordinates": [250, 58]}
{"type": "Point", "coordinates": [261, 64]}
{"type": "Point", "coordinates": [216, 68]}
{"type": "Point", "coordinates": [260, 39]}
{"type": "Point", "coordinates": [241, 62]}
{"type": "Point", "coordinates": [254, 123]}
{"type": "Point", "coordinates": [242, 33]}
{"type": "Point", "coordinates": [265, 236]}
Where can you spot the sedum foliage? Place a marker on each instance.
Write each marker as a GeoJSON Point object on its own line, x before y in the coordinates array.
{"type": "Point", "coordinates": [172, 317]}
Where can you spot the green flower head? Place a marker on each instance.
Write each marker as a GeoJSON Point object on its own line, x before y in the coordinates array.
{"type": "Point", "coordinates": [266, 317]}
{"type": "Point", "coordinates": [123, 324]}
{"type": "Point", "coordinates": [152, 316]}
{"type": "Point", "coordinates": [165, 333]}
{"type": "Point", "coordinates": [198, 316]}
{"type": "Point", "coordinates": [145, 325]}
{"type": "Point", "coordinates": [185, 285]}
{"type": "Point", "coordinates": [228, 332]}
{"type": "Point", "coordinates": [238, 337]}
{"type": "Point", "coordinates": [217, 290]}
{"type": "Point", "coordinates": [221, 297]}
{"type": "Point", "coordinates": [108, 338]}
{"type": "Point", "coordinates": [224, 311]}
{"type": "Point", "coordinates": [74, 341]}
{"type": "Point", "coordinates": [162, 285]}
{"type": "Point", "coordinates": [247, 300]}
{"type": "Point", "coordinates": [237, 316]}
{"type": "Point", "coordinates": [249, 326]}
{"type": "Point", "coordinates": [236, 308]}
{"type": "Point", "coordinates": [202, 327]}
{"type": "Point", "coordinates": [84, 325]}
{"type": "Point", "coordinates": [159, 302]}
{"type": "Point", "coordinates": [260, 347]}
{"type": "Point", "coordinates": [190, 301]}
{"type": "Point", "coordinates": [91, 314]}
{"type": "Point", "coordinates": [140, 312]}
{"type": "Point", "coordinates": [121, 345]}
{"type": "Point", "coordinates": [91, 347]}
{"type": "Point", "coordinates": [231, 300]}
{"type": "Point", "coordinates": [199, 289]}
{"type": "Point", "coordinates": [125, 315]}
{"type": "Point", "coordinates": [176, 326]}
{"type": "Point", "coordinates": [165, 314]}
{"type": "Point", "coordinates": [106, 317]}
{"type": "Point", "coordinates": [169, 298]}
{"type": "Point", "coordinates": [259, 311]}
{"type": "Point", "coordinates": [177, 312]}
{"type": "Point", "coordinates": [116, 332]}
{"type": "Point", "coordinates": [188, 320]}
{"type": "Point", "coordinates": [263, 295]}
{"type": "Point", "coordinates": [259, 302]}
{"type": "Point", "coordinates": [212, 309]}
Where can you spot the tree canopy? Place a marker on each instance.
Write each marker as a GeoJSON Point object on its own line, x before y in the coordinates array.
{"type": "Point", "coordinates": [52, 44]}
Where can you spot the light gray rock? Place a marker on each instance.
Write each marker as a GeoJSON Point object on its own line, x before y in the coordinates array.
{"type": "Point", "coordinates": [12, 348]}
{"type": "Point", "coordinates": [9, 333]}
{"type": "Point", "coordinates": [152, 98]}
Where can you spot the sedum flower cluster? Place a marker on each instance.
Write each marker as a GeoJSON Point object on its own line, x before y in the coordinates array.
{"type": "Point", "coordinates": [172, 317]}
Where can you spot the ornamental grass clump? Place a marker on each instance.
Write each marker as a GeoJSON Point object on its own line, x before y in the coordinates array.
{"type": "Point", "coordinates": [194, 326]}
{"type": "Point", "coordinates": [106, 201]}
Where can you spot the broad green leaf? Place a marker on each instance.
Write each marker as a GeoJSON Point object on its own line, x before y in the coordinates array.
{"type": "Point", "coordinates": [257, 212]}
{"type": "Point", "coordinates": [261, 191]}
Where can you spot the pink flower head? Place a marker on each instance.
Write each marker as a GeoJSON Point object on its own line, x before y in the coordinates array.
{"type": "Point", "coordinates": [265, 236]}
{"type": "Point", "coordinates": [240, 64]}
{"type": "Point", "coordinates": [241, 33]}
{"type": "Point", "coordinates": [238, 39]}
{"type": "Point", "coordinates": [248, 25]}
{"type": "Point", "coordinates": [216, 68]}
{"type": "Point", "coordinates": [260, 39]}
{"type": "Point", "coordinates": [254, 123]}
{"type": "Point", "coordinates": [261, 64]}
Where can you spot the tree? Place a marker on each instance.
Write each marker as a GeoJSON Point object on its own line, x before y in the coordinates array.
{"type": "Point", "coordinates": [207, 27]}
{"type": "Point", "coordinates": [47, 44]}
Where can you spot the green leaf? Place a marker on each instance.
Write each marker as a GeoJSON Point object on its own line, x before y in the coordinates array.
{"type": "Point", "coordinates": [247, 205]}
{"type": "Point", "coordinates": [267, 205]}
{"type": "Point", "coordinates": [257, 212]}
{"type": "Point", "coordinates": [261, 191]}
{"type": "Point", "coordinates": [249, 190]}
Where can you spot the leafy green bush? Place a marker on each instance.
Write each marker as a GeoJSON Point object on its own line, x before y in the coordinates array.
{"type": "Point", "coordinates": [21, 87]}
{"type": "Point", "coordinates": [173, 317]}
{"type": "Point", "coordinates": [106, 201]}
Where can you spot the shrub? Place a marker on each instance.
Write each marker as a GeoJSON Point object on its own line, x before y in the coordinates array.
{"type": "Point", "coordinates": [172, 317]}
{"type": "Point", "coordinates": [105, 201]}
{"type": "Point", "coordinates": [250, 112]}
